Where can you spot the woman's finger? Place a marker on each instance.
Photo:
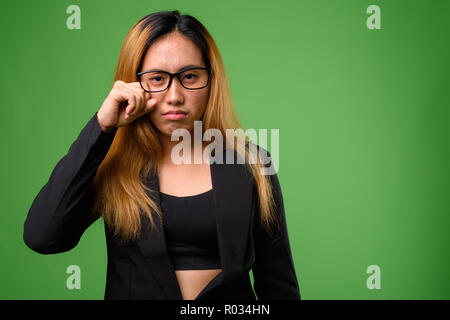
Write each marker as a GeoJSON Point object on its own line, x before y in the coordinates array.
{"type": "Point", "coordinates": [139, 96]}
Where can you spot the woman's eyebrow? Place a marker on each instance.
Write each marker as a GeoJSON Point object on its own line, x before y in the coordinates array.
{"type": "Point", "coordinates": [189, 66]}
{"type": "Point", "coordinates": [181, 69]}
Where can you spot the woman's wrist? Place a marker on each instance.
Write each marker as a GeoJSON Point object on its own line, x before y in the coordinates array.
{"type": "Point", "coordinates": [104, 128]}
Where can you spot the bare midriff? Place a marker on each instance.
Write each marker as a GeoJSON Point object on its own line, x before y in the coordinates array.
{"type": "Point", "coordinates": [192, 282]}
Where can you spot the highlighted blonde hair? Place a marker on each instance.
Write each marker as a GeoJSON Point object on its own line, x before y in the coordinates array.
{"type": "Point", "coordinates": [135, 151]}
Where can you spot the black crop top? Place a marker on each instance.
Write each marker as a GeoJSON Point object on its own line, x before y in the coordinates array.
{"type": "Point", "coordinates": [190, 229]}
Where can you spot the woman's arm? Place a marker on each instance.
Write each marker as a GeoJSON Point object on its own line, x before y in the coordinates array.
{"type": "Point", "coordinates": [61, 211]}
{"type": "Point", "coordinates": [273, 271]}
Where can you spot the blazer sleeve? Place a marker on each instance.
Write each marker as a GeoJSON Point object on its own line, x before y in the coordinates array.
{"type": "Point", "coordinates": [274, 274]}
{"type": "Point", "coordinates": [61, 211]}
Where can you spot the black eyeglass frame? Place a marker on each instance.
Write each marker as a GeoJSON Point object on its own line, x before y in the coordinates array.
{"type": "Point", "coordinates": [177, 74]}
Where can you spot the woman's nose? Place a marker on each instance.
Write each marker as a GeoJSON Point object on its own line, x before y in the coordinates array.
{"type": "Point", "coordinates": [174, 93]}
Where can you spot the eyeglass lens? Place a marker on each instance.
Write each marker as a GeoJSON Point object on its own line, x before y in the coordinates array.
{"type": "Point", "coordinates": [191, 79]}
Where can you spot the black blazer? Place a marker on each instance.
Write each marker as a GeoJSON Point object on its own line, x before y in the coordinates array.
{"type": "Point", "coordinates": [59, 215]}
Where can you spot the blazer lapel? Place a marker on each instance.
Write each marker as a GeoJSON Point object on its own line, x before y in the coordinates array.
{"type": "Point", "coordinates": [153, 247]}
{"type": "Point", "coordinates": [232, 191]}
{"type": "Point", "coordinates": [233, 198]}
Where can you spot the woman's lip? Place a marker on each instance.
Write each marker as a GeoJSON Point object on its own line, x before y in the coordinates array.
{"type": "Point", "coordinates": [174, 116]}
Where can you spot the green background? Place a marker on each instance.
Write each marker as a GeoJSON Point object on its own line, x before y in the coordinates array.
{"type": "Point", "coordinates": [363, 118]}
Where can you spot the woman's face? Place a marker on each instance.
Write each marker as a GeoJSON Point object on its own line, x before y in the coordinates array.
{"type": "Point", "coordinates": [171, 53]}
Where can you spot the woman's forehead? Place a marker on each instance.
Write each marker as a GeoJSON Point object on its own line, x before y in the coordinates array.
{"type": "Point", "coordinates": [172, 53]}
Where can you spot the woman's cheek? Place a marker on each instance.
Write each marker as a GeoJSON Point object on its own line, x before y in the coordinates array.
{"type": "Point", "coordinates": [153, 116]}
{"type": "Point", "coordinates": [200, 103]}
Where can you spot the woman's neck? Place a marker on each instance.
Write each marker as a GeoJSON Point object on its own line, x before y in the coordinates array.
{"type": "Point", "coordinates": [167, 146]}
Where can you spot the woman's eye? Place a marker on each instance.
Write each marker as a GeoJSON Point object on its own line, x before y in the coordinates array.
{"type": "Point", "coordinates": [190, 76]}
{"type": "Point", "coordinates": [156, 78]}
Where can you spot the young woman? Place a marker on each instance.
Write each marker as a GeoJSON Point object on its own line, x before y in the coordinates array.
{"type": "Point", "coordinates": [174, 231]}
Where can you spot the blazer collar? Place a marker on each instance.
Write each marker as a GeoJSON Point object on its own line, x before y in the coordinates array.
{"type": "Point", "coordinates": [232, 191]}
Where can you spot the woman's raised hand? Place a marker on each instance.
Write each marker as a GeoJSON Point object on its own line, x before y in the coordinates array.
{"type": "Point", "coordinates": [124, 103]}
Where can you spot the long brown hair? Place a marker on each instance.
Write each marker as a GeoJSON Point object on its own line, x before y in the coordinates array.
{"type": "Point", "coordinates": [135, 151]}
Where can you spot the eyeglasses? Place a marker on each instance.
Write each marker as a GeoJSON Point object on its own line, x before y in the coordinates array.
{"type": "Point", "coordinates": [160, 80]}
